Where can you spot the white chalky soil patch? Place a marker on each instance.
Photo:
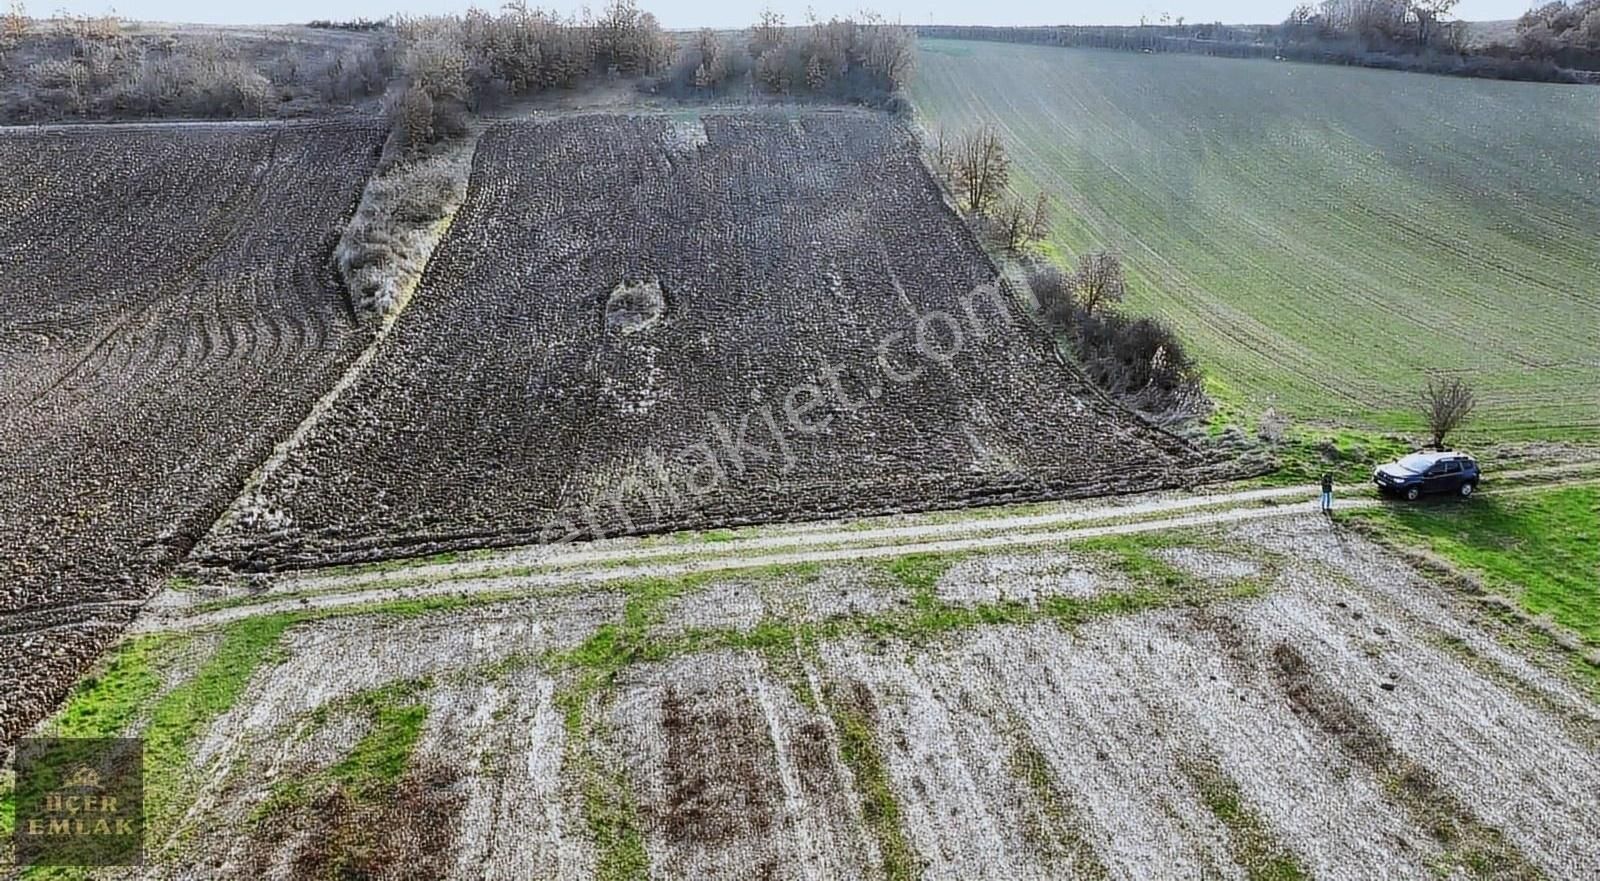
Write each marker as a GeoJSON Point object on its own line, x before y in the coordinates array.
{"type": "Point", "coordinates": [521, 820]}
{"type": "Point", "coordinates": [1510, 765]}
{"type": "Point", "coordinates": [1025, 578]}
{"type": "Point", "coordinates": [1208, 564]}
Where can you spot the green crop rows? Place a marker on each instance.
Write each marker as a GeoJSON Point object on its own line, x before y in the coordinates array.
{"type": "Point", "coordinates": [1321, 235]}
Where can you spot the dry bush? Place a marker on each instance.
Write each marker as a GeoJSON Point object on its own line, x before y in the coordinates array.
{"type": "Point", "coordinates": [387, 244]}
{"type": "Point", "coordinates": [90, 69]}
{"type": "Point", "coordinates": [1139, 360]}
{"type": "Point", "coordinates": [97, 28]}
{"type": "Point", "coordinates": [14, 23]}
{"type": "Point", "coordinates": [1273, 427]}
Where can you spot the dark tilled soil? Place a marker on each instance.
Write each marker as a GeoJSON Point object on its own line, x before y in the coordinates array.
{"type": "Point", "coordinates": [719, 773]}
{"type": "Point", "coordinates": [505, 407]}
{"type": "Point", "coordinates": [166, 316]}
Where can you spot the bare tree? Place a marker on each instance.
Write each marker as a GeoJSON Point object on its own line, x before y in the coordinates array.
{"type": "Point", "coordinates": [1446, 403]}
{"type": "Point", "coordinates": [1039, 223]}
{"type": "Point", "coordinates": [943, 151]}
{"type": "Point", "coordinates": [982, 169]}
{"type": "Point", "coordinates": [1428, 13]}
{"type": "Point", "coordinates": [1019, 223]}
{"type": "Point", "coordinates": [1099, 281]}
{"type": "Point", "coordinates": [1011, 223]}
{"type": "Point", "coordinates": [767, 33]}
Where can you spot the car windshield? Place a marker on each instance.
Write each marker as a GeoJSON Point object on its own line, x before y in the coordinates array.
{"type": "Point", "coordinates": [1416, 463]}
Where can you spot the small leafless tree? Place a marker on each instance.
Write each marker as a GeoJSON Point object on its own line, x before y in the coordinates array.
{"type": "Point", "coordinates": [1018, 224]}
{"type": "Point", "coordinates": [1428, 14]}
{"type": "Point", "coordinates": [1446, 403]}
{"type": "Point", "coordinates": [943, 151]}
{"type": "Point", "coordinates": [982, 169]}
{"type": "Point", "coordinates": [1039, 223]}
{"type": "Point", "coordinates": [1011, 223]}
{"type": "Point", "coordinates": [1099, 281]}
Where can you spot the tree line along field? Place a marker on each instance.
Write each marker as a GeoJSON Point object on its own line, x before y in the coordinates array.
{"type": "Point", "coordinates": [612, 337]}
{"type": "Point", "coordinates": [166, 316]}
{"type": "Point", "coordinates": [1321, 235]}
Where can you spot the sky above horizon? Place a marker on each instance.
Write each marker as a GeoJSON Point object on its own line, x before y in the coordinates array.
{"type": "Point", "coordinates": [724, 14]}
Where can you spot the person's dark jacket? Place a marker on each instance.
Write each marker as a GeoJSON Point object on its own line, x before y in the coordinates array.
{"type": "Point", "coordinates": [1327, 483]}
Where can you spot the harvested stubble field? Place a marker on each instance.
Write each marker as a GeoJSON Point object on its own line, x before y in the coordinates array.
{"type": "Point", "coordinates": [1267, 700]}
{"type": "Point", "coordinates": [1321, 235]}
{"type": "Point", "coordinates": [628, 311]}
{"type": "Point", "coordinates": [166, 316]}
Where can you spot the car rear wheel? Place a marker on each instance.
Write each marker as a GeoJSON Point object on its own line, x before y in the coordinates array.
{"type": "Point", "coordinates": [1466, 489]}
{"type": "Point", "coordinates": [1413, 493]}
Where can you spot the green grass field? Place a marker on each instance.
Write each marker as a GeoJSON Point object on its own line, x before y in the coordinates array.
{"type": "Point", "coordinates": [1320, 235]}
{"type": "Point", "coordinates": [1541, 549]}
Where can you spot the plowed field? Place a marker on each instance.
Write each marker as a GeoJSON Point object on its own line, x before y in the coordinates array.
{"type": "Point", "coordinates": [166, 316]}
{"type": "Point", "coordinates": [639, 323]}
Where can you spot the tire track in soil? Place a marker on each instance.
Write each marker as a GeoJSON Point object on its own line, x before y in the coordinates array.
{"type": "Point", "coordinates": [131, 428]}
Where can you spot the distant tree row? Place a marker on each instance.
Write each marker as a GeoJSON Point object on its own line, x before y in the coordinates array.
{"type": "Point", "coordinates": [1555, 42]}
{"type": "Point", "coordinates": [866, 61]}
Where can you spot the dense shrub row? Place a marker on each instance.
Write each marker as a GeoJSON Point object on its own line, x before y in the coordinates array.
{"type": "Point", "coordinates": [866, 62]}
{"type": "Point", "coordinates": [1137, 359]}
{"type": "Point", "coordinates": [82, 67]}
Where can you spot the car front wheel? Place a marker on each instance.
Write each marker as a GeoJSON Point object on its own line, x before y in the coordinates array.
{"type": "Point", "coordinates": [1467, 488]}
{"type": "Point", "coordinates": [1413, 493]}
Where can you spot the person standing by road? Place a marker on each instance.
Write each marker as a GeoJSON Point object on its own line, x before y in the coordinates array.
{"type": "Point", "coordinates": [1327, 493]}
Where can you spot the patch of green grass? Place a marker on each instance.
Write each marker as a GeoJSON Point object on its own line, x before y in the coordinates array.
{"type": "Point", "coordinates": [1541, 548]}
{"type": "Point", "coordinates": [372, 769]}
{"type": "Point", "coordinates": [183, 713]}
{"type": "Point", "coordinates": [1250, 840]}
{"type": "Point", "coordinates": [920, 572]}
{"type": "Point", "coordinates": [105, 703]}
{"type": "Point", "coordinates": [1349, 455]}
{"type": "Point", "coordinates": [127, 690]}
{"type": "Point", "coordinates": [1057, 830]}
{"type": "Point", "coordinates": [381, 757]}
{"type": "Point", "coordinates": [858, 748]}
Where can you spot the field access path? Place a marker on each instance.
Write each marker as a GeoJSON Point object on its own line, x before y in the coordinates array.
{"type": "Point", "coordinates": [540, 569]}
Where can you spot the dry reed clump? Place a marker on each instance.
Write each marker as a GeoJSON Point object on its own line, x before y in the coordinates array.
{"type": "Point", "coordinates": [385, 248]}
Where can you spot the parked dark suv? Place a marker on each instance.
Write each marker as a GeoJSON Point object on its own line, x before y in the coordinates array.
{"type": "Point", "coordinates": [1421, 473]}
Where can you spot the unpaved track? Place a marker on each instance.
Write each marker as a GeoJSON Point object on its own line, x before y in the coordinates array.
{"type": "Point", "coordinates": [567, 569]}
{"type": "Point", "coordinates": [835, 533]}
